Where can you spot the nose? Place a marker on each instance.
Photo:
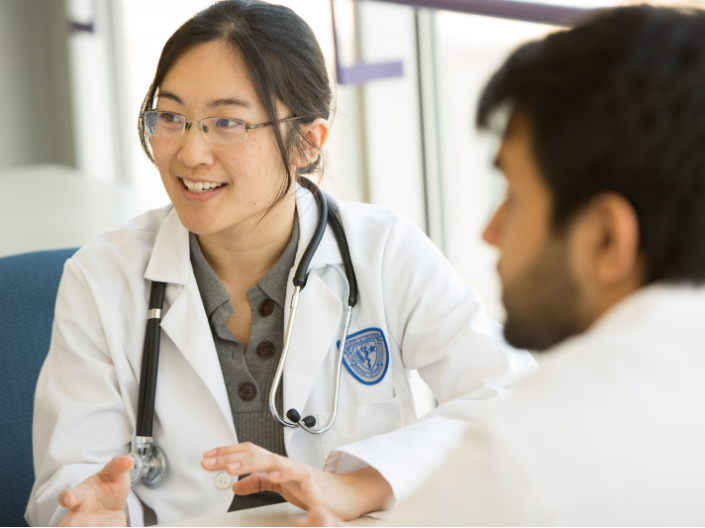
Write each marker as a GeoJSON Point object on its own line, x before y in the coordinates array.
{"type": "Point", "coordinates": [195, 149]}
{"type": "Point", "coordinates": [493, 229]}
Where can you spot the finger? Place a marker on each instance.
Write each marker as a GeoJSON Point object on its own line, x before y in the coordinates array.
{"type": "Point", "coordinates": [232, 449]}
{"type": "Point", "coordinates": [288, 473]}
{"type": "Point", "coordinates": [73, 497]}
{"type": "Point", "coordinates": [225, 456]}
{"type": "Point", "coordinates": [258, 464]}
{"type": "Point", "coordinates": [67, 499]}
{"type": "Point", "coordinates": [221, 463]}
{"type": "Point", "coordinates": [115, 469]}
{"type": "Point", "coordinates": [254, 484]}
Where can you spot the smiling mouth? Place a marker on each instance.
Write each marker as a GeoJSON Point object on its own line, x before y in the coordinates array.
{"type": "Point", "coordinates": [200, 187]}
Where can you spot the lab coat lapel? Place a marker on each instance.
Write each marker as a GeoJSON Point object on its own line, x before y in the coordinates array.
{"type": "Point", "coordinates": [185, 320]}
{"type": "Point", "coordinates": [318, 316]}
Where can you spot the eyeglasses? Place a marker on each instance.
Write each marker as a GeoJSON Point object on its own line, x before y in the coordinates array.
{"type": "Point", "coordinates": [220, 130]}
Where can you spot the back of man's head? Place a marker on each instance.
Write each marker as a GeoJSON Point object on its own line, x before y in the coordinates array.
{"type": "Point", "coordinates": [618, 105]}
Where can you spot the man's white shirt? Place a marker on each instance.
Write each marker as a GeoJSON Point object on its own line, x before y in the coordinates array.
{"type": "Point", "coordinates": [610, 432]}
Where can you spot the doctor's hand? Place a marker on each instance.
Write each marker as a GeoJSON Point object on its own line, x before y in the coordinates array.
{"type": "Point", "coordinates": [319, 516]}
{"type": "Point", "coordinates": [348, 496]}
{"type": "Point", "coordinates": [99, 500]}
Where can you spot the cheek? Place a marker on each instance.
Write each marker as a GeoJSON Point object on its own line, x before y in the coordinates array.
{"type": "Point", "coordinates": [254, 165]}
{"type": "Point", "coordinates": [523, 237]}
{"type": "Point", "coordinates": [164, 153]}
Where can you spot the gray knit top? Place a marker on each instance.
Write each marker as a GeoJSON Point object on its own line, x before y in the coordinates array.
{"type": "Point", "coordinates": [249, 374]}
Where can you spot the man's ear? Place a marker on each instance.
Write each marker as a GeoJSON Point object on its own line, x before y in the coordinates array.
{"type": "Point", "coordinates": [315, 136]}
{"type": "Point", "coordinates": [608, 231]}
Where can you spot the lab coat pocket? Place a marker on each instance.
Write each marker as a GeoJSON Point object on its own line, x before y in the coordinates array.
{"type": "Point", "coordinates": [360, 422]}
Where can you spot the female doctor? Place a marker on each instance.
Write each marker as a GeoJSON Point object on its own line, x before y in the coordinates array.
{"type": "Point", "coordinates": [240, 218]}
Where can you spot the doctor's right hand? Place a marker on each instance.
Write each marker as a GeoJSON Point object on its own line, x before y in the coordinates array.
{"type": "Point", "coordinates": [99, 500]}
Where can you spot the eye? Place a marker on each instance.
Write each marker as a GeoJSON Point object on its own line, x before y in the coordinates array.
{"type": "Point", "coordinates": [169, 117]}
{"type": "Point", "coordinates": [223, 122]}
{"type": "Point", "coordinates": [227, 128]}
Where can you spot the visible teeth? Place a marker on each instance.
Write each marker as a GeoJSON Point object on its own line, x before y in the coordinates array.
{"type": "Point", "coordinates": [199, 187]}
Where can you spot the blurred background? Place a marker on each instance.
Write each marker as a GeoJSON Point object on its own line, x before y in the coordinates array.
{"type": "Point", "coordinates": [407, 74]}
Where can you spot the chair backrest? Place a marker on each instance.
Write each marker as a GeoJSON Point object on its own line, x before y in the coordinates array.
{"type": "Point", "coordinates": [28, 287]}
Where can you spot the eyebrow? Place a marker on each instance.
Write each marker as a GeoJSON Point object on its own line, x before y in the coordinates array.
{"type": "Point", "coordinates": [168, 95]}
{"type": "Point", "coordinates": [231, 101]}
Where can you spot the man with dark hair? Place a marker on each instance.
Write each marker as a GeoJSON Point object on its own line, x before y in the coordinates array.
{"type": "Point", "coordinates": [602, 242]}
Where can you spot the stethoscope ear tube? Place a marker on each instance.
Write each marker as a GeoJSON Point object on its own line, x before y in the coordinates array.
{"type": "Point", "coordinates": [326, 217]}
{"type": "Point", "coordinates": [294, 417]}
{"type": "Point", "coordinates": [340, 238]}
{"type": "Point", "coordinates": [301, 271]}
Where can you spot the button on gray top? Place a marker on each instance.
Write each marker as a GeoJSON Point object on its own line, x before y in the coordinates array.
{"type": "Point", "coordinates": [248, 375]}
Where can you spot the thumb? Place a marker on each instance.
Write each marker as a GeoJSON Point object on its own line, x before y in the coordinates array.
{"type": "Point", "coordinates": [115, 470]}
{"type": "Point", "coordinates": [68, 499]}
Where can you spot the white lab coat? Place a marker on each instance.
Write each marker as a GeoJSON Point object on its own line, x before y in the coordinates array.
{"type": "Point", "coordinates": [611, 432]}
{"type": "Point", "coordinates": [87, 392]}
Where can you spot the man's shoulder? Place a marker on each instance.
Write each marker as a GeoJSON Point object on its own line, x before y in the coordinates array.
{"type": "Point", "coordinates": [606, 401]}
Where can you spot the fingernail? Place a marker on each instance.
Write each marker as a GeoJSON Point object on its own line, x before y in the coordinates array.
{"type": "Point", "coordinates": [274, 475]}
{"type": "Point", "coordinates": [209, 453]}
{"type": "Point", "coordinates": [234, 467]}
{"type": "Point", "coordinates": [210, 461]}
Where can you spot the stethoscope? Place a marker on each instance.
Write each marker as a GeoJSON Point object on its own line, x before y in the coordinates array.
{"type": "Point", "coordinates": [150, 461]}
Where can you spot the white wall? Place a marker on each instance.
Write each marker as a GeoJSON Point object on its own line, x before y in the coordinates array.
{"type": "Point", "coordinates": [34, 84]}
{"type": "Point", "coordinates": [470, 48]}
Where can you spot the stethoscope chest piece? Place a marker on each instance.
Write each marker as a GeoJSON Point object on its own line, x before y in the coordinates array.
{"type": "Point", "coordinates": [150, 462]}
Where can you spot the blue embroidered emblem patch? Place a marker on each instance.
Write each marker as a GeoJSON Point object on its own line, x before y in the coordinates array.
{"type": "Point", "coordinates": [366, 356]}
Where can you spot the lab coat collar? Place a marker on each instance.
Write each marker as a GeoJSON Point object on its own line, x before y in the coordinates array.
{"type": "Point", "coordinates": [662, 302]}
{"type": "Point", "coordinates": [170, 261]}
{"type": "Point", "coordinates": [185, 320]}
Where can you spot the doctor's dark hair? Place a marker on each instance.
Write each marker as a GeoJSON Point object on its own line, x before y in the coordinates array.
{"type": "Point", "coordinates": [617, 104]}
{"type": "Point", "coordinates": [284, 61]}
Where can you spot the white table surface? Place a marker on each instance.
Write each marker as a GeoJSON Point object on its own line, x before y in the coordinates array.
{"type": "Point", "coordinates": [283, 514]}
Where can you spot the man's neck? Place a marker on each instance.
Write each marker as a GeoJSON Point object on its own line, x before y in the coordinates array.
{"type": "Point", "coordinates": [604, 301]}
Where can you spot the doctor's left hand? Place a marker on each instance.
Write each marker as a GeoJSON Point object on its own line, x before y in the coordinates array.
{"type": "Point", "coordinates": [99, 500]}
{"type": "Point", "coordinates": [348, 496]}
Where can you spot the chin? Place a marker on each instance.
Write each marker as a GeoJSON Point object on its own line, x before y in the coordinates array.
{"type": "Point", "coordinates": [199, 222]}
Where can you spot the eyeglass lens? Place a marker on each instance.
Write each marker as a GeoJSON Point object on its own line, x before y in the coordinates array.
{"type": "Point", "coordinates": [221, 130]}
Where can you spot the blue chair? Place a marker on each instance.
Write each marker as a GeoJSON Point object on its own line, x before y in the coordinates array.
{"type": "Point", "coordinates": [28, 288]}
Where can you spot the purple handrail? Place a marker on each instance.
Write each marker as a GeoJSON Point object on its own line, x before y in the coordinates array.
{"type": "Point", "coordinates": [509, 9]}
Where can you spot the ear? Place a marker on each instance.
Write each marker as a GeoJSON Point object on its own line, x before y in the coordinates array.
{"type": "Point", "coordinates": [608, 233]}
{"type": "Point", "coordinates": [315, 136]}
